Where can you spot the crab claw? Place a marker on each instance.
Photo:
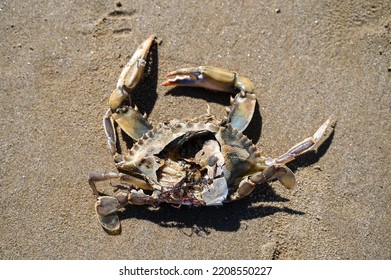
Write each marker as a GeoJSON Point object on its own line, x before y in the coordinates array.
{"type": "Point", "coordinates": [127, 117]}
{"type": "Point", "coordinates": [106, 208]}
{"type": "Point", "coordinates": [212, 78]}
{"type": "Point", "coordinates": [242, 106]}
{"type": "Point", "coordinates": [131, 74]}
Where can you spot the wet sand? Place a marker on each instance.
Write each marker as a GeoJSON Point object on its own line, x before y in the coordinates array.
{"type": "Point", "coordinates": [60, 61]}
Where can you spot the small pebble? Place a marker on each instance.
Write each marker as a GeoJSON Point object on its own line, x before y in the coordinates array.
{"type": "Point", "coordinates": [278, 11]}
{"type": "Point", "coordinates": [317, 167]}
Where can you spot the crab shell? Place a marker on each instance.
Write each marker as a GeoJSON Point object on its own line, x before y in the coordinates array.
{"type": "Point", "coordinates": [224, 156]}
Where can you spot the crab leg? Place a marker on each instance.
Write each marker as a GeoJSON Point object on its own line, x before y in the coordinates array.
{"type": "Point", "coordinates": [242, 105]}
{"type": "Point", "coordinates": [98, 177]}
{"type": "Point", "coordinates": [106, 211]}
{"type": "Point", "coordinates": [248, 184]}
{"type": "Point", "coordinates": [107, 206]}
{"type": "Point", "coordinates": [129, 118]}
{"type": "Point", "coordinates": [129, 180]}
{"type": "Point", "coordinates": [302, 147]}
{"type": "Point", "coordinates": [275, 167]}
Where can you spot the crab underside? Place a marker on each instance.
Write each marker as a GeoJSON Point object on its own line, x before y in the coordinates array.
{"type": "Point", "coordinates": [201, 162]}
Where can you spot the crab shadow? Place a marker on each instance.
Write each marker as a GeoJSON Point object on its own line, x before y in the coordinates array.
{"type": "Point", "coordinates": [201, 220]}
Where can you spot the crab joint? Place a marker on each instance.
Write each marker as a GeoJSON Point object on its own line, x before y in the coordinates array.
{"type": "Point", "coordinates": [246, 186]}
{"type": "Point", "coordinates": [140, 198]}
{"type": "Point", "coordinates": [208, 77]}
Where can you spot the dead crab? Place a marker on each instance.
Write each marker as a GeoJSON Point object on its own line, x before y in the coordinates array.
{"type": "Point", "coordinates": [201, 162]}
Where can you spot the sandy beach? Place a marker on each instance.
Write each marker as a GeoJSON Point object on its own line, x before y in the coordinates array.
{"type": "Point", "coordinates": [308, 60]}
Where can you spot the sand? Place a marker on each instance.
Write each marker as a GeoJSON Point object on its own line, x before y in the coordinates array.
{"type": "Point", "coordinates": [60, 60]}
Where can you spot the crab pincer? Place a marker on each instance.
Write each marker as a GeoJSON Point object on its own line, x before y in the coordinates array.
{"type": "Point", "coordinates": [242, 105]}
{"type": "Point", "coordinates": [129, 118]}
{"type": "Point", "coordinates": [131, 74]}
